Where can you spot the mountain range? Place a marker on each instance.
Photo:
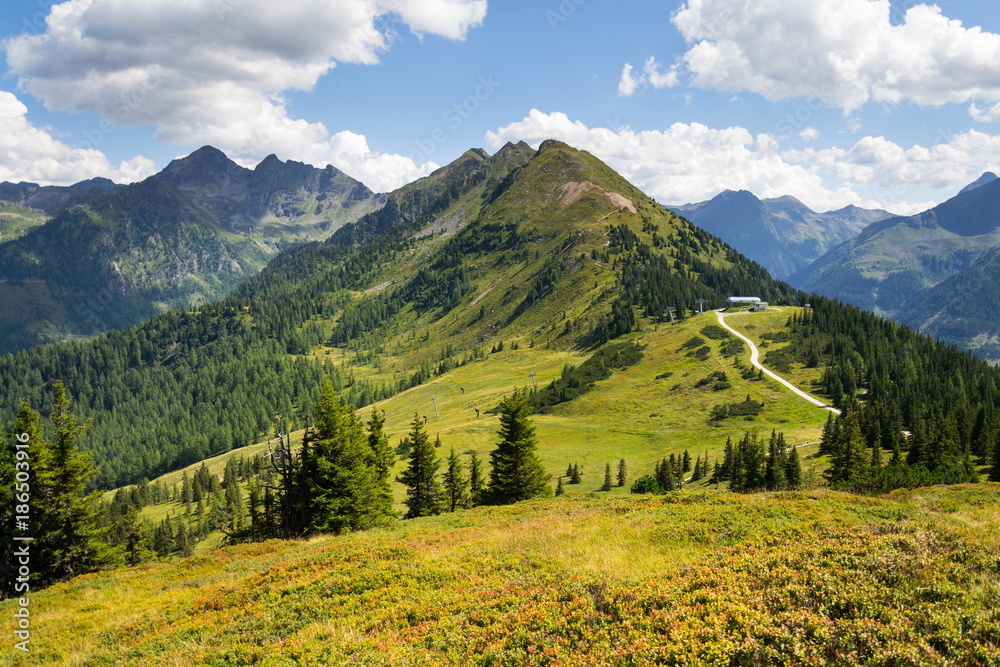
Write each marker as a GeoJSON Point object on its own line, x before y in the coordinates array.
{"type": "Point", "coordinates": [782, 234]}
{"type": "Point", "coordinates": [94, 256]}
{"type": "Point", "coordinates": [935, 271]}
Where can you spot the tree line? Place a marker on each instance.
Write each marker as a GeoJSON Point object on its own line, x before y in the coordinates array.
{"type": "Point", "coordinates": [337, 481]}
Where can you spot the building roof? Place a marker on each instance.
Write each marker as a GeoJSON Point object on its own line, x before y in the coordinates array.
{"type": "Point", "coordinates": [743, 299]}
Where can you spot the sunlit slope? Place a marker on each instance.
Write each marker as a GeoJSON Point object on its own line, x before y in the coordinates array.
{"type": "Point", "coordinates": [710, 579]}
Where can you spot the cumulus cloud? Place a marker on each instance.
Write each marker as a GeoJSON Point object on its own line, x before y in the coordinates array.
{"type": "Point", "coordinates": [845, 52]}
{"type": "Point", "coordinates": [216, 71]}
{"type": "Point", "coordinates": [29, 153]}
{"type": "Point", "coordinates": [652, 75]}
{"type": "Point", "coordinates": [692, 162]}
{"type": "Point", "coordinates": [990, 115]}
{"type": "Point", "coordinates": [876, 161]}
{"type": "Point", "coordinates": [685, 162]}
{"type": "Point", "coordinates": [809, 134]}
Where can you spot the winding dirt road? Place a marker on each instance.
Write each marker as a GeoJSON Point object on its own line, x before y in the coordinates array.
{"type": "Point", "coordinates": [755, 362]}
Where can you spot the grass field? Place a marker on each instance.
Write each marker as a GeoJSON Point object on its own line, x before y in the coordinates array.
{"type": "Point", "coordinates": [642, 414]}
{"type": "Point", "coordinates": [693, 578]}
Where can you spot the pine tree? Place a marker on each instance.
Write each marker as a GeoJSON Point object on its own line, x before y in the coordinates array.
{"type": "Point", "coordinates": [686, 462]}
{"type": "Point", "coordinates": [995, 470]}
{"type": "Point", "coordinates": [726, 469]}
{"type": "Point", "coordinates": [793, 470]}
{"type": "Point", "coordinates": [559, 487]}
{"type": "Point", "coordinates": [424, 494]}
{"type": "Point", "coordinates": [382, 455]}
{"type": "Point", "coordinates": [183, 542]}
{"type": "Point", "coordinates": [456, 487]}
{"type": "Point", "coordinates": [607, 478]}
{"type": "Point", "coordinates": [774, 469]}
{"type": "Point", "coordinates": [69, 541]}
{"type": "Point", "coordinates": [476, 480]}
{"type": "Point", "coordinates": [341, 488]}
{"type": "Point", "coordinates": [574, 477]}
{"type": "Point", "coordinates": [622, 473]}
{"type": "Point", "coordinates": [516, 472]}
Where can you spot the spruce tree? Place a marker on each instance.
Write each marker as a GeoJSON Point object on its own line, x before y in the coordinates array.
{"type": "Point", "coordinates": [382, 455]}
{"type": "Point", "coordinates": [476, 480]}
{"type": "Point", "coordinates": [342, 488]}
{"type": "Point", "coordinates": [607, 478]}
{"type": "Point", "coordinates": [793, 470]}
{"type": "Point", "coordinates": [774, 470]}
{"type": "Point", "coordinates": [456, 487]}
{"type": "Point", "coordinates": [424, 495]}
{"type": "Point", "coordinates": [559, 487]}
{"type": "Point", "coordinates": [69, 539]}
{"type": "Point", "coordinates": [686, 462]}
{"type": "Point", "coordinates": [516, 472]}
{"type": "Point", "coordinates": [622, 473]}
{"type": "Point", "coordinates": [574, 477]}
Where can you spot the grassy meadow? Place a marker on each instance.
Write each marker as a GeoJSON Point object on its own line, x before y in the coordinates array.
{"type": "Point", "coordinates": [691, 578]}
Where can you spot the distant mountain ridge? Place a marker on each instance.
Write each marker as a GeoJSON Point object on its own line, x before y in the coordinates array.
{"type": "Point", "coordinates": [935, 271]}
{"type": "Point", "coordinates": [112, 255]}
{"type": "Point", "coordinates": [54, 198]}
{"type": "Point", "coordinates": [782, 234]}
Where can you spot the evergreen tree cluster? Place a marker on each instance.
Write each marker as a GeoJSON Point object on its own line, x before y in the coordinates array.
{"type": "Point", "coordinates": [749, 467]}
{"type": "Point", "coordinates": [577, 380]}
{"type": "Point", "coordinates": [45, 476]}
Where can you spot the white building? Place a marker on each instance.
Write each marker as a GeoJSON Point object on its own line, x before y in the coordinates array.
{"type": "Point", "coordinates": [739, 301]}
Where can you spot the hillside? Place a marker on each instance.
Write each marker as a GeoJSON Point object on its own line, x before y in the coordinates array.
{"type": "Point", "coordinates": [929, 271]}
{"type": "Point", "coordinates": [782, 234]}
{"type": "Point", "coordinates": [538, 248]}
{"type": "Point", "coordinates": [111, 255]}
{"type": "Point", "coordinates": [798, 578]}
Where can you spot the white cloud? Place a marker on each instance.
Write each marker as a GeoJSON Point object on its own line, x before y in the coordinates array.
{"type": "Point", "coordinates": [845, 52]}
{"type": "Point", "coordinates": [628, 82]}
{"type": "Point", "coordinates": [652, 75]}
{"type": "Point", "coordinates": [880, 163]}
{"type": "Point", "coordinates": [990, 115]}
{"type": "Point", "coordinates": [685, 162]}
{"type": "Point", "coordinates": [692, 162]}
{"type": "Point", "coordinates": [215, 71]}
{"type": "Point", "coordinates": [29, 153]}
{"type": "Point", "coordinates": [809, 134]}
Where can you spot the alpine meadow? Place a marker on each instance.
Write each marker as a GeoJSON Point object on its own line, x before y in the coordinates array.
{"type": "Point", "coordinates": [693, 362]}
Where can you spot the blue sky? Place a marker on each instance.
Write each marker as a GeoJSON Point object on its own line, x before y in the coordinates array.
{"type": "Point", "coordinates": [835, 102]}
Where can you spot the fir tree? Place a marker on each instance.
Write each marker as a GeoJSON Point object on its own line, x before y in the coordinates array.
{"type": "Point", "coordinates": [622, 473]}
{"type": "Point", "coordinates": [686, 462]}
{"type": "Point", "coordinates": [559, 487]}
{"type": "Point", "coordinates": [183, 542]}
{"type": "Point", "coordinates": [342, 487]}
{"type": "Point", "coordinates": [382, 455]}
{"type": "Point", "coordinates": [607, 478]}
{"type": "Point", "coordinates": [456, 487]}
{"type": "Point", "coordinates": [516, 472]}
{"type": "Point", "coordinates": [774, 470]}
{"type": "Point", "coordinates": [574, 477]}
{"type": "Point", "coordinates": [793, 470]}
{"type": "Point", "coordinates": [424, 494]}
{"type": "Point", "coordinates": [69, 540]}
{"type": "Point", "coordinates": [476, 481]}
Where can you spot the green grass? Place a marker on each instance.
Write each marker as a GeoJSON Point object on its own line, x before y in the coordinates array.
{"type": "Point", "coordinates": [804, 578]}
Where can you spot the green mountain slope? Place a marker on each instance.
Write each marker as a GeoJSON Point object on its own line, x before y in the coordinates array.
{"type": "Point", "coordinates": [493, 267]}
{"type": "Point", "coordinates": [693, 578]}
{"type": "Point", "coordinates": [539, 247]}
{"type": "Point", "coordinates": [183, 237]}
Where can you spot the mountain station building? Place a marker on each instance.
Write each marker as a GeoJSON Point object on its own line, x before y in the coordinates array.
{"type": "Point", "coordinates": [741, 301]}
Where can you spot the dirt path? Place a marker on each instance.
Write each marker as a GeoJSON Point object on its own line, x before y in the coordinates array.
{"type": "Point", "coordinates": [487, 291]}
{"type": "Point", "coordinates": [755, 362]}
